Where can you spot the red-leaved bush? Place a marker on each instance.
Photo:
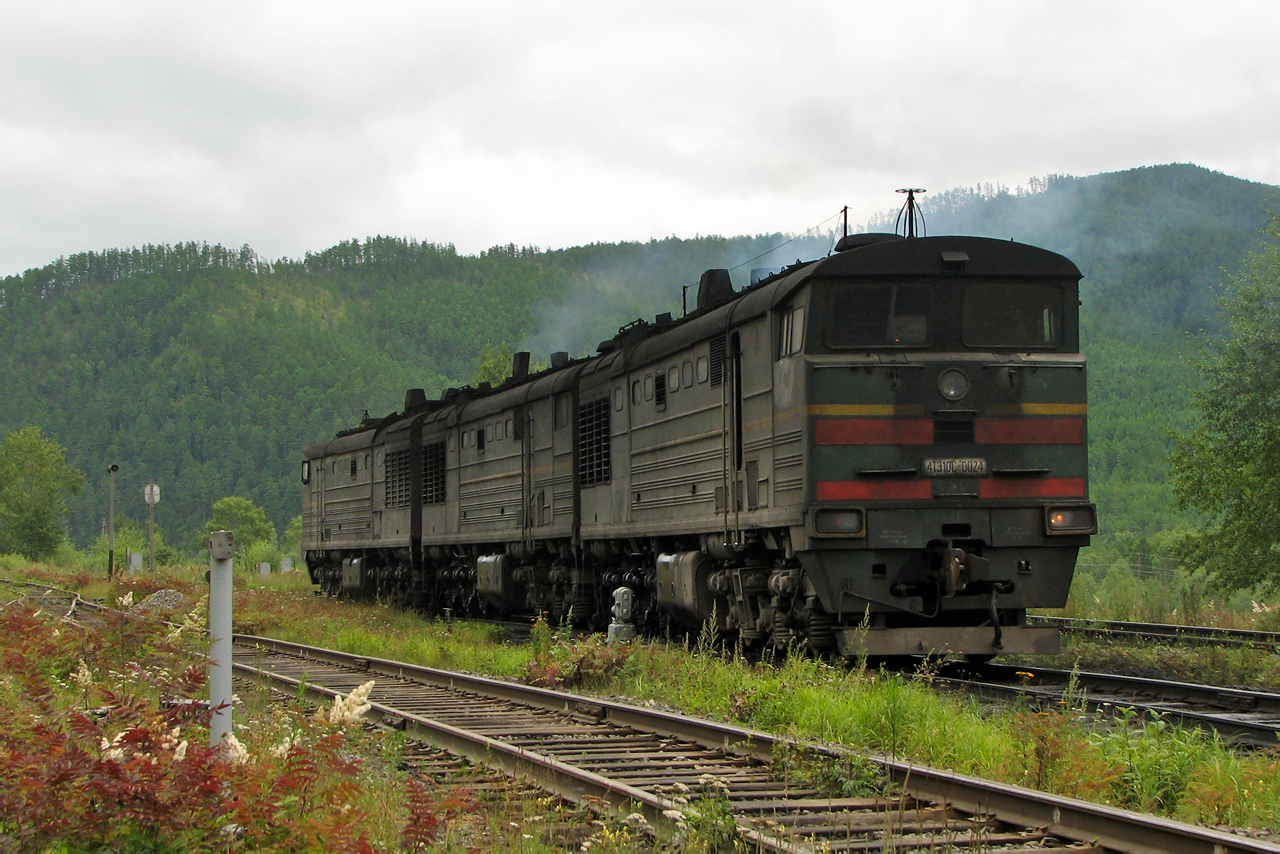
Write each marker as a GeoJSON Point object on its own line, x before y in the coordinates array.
{"type": "Point", "coordinates": [91, 764]}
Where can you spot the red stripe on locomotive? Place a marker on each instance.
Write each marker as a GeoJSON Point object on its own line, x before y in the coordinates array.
{"type": "Point", "coordinates": [1050, 487]}
{"type": "Point", "coordinates": [870, 490]}
{"type": "Point", "coordinates": [873, 431]}
{"type": "Point", "coordinates": [1029, 431]}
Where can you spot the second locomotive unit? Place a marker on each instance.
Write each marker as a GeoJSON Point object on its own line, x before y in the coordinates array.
{"type": "Point", "coordinates": [881, 452]}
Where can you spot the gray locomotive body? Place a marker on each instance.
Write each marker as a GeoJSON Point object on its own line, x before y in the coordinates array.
{"type": "Point", "coordinates": [879, 452]}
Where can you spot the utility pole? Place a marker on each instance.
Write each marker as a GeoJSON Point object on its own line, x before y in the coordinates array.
{"type": "Point", "coordinates": [111, 519]}
{"type": "Point", "coordinates": [151, 493]}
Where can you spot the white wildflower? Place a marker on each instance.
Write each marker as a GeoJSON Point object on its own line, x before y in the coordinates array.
{"type": "Point", "coordinates": [235, 751]}
{"type": "Point", "coordinates": [352, 708]}
{"type": "Point", "coordinates": [112, 749]}
{"type": "Point", "coordinates": [195, 622]}
{"type": "Point", "coordinates": [126, 601]}
{"type": "Point", "coordinates": [181, 752]}
{"type": "Point", "coordinates": [83, 676]}
{"type": "Point", "coordinates": [281, 750]}
{"type": "Point", "coordinates": [711, 781]}
{"type": "Point", "coordinates": [674, 815]}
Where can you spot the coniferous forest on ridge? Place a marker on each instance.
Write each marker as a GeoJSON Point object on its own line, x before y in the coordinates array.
{"type": "Point", "coordinates": [206, 369]}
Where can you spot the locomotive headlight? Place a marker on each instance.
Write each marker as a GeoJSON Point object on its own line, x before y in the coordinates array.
{"type": "Point", "coordinates": [953, 383]}
{"type": "Point", "coordinates": [838, 521]}
{"type": "Point", "coordinates": [1079, 519]}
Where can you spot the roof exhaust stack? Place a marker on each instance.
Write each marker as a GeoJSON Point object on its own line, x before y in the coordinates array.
{"type": "Point", "coordinates": [715, 288]}
{"type": "Point", "coordinates": [414, 398]}
{"type": "Point", "coordinates": [520, 365]}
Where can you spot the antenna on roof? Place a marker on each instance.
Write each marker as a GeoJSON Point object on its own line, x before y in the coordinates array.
{"type": "Point", "coordinates": [911, 212]}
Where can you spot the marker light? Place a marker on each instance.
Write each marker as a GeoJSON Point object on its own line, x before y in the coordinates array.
{"type": "Point", "coordinates": [838, 521]}
{"type": "Point", "coordinates": [1080, 519]}
{"type": "Point", "coordinates": [953, 384]}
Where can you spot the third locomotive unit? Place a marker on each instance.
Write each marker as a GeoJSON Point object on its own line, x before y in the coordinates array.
{"type": "Point", "coordinates": [881, 452]}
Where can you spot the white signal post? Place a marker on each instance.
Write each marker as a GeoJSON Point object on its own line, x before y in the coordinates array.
{"type": "Point", "coordinates": [151, 493]}
{"type": "Point", "coordinates": [221, 550]}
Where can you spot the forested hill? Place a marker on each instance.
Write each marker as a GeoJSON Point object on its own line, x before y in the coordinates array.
{"type": "Point", "coordinates": [206, 369]}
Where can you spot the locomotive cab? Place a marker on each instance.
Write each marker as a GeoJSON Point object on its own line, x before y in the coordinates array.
{"type": "Point", "coordinates": [947, 467]}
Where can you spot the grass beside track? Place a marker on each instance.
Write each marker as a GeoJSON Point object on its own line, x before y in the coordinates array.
{"type": "Point", "coordinates": [1150, 766]}
{"type": "Point", "coordinates": [1235, 666]}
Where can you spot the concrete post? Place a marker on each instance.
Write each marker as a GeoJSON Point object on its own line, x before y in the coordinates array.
{"type": "Point", "coordinates": [111, 520]}
{"type": "Point", "coordinates": [151, 538]}
{"type": "Point", "coordinates": [151, 493]}
{"type": "Point", "coordinates": [221, 551]}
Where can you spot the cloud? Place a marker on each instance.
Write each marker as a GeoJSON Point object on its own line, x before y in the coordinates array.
{"type": "Point", "coordinates": [290, 125]}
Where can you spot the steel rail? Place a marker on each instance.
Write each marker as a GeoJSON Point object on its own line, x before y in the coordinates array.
{"type": "Point", "coordinates": [574, 784]}
{"type": "Point", "coordinates": [1086, 823]}
{"type": "Point", "coordinates": [70, 596]}
{"type": "Point", "coordinates": [1249, 718]}
{"type": "Point", "coordinates": [1162, 631]}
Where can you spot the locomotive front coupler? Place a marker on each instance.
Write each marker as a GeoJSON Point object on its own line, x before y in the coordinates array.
{"type": "Point", "coordinates": [958, 568]}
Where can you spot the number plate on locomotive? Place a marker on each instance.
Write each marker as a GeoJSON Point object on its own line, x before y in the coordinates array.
{"type": "Point", "coordinates": [955, 467]}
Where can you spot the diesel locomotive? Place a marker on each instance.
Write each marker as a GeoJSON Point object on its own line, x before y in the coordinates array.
{"type": "Point", "coordinates": [881, 452]}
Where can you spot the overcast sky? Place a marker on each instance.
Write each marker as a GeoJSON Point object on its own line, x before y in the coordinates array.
{"type": "Point", "coordinates": [293, 125]}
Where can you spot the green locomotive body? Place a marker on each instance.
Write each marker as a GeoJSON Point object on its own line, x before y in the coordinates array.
{"type": "Point", "coordinates": [881, 452]}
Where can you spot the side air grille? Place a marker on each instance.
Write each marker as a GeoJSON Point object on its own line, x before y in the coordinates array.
{"type": "Point", "coordinates": [398, 478]}
{"type": "Point", "coordinates": [593, 441]}
{"type": "Point", "coordinates": [433, 473]}
{"type": "Point", "coordinates": [719, 347]}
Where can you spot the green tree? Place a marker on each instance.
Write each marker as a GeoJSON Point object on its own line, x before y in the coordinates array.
{"type": "Point", "coordinates": [1228, 465]}
{"type": "Point", "coordinates": [246, 520]}
{"type": "Point", "coordinates": [493, 365]}
{"type": "Point", "coordinates": [35, 482]}
{"type": "Point", "coordinates": [291, 543]}
{"type": "Point", "coordinates": [131, 536]}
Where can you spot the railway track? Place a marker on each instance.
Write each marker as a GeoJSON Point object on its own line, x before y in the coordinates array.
{"type": "Point", "coordinates": [55, 598]}
{"type": "Point", "coordinates": [1163, 631]}
{"type": "Point", "coordinates": [1244, 717]}
{"type": "Point", "coordinates": [673, 769]}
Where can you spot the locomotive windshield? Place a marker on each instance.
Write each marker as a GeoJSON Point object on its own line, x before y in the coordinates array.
{"type": "Point", "coordinates": [1012, 314]}
{"type": "Point", "coordinates": [880, 315]}
{"type": "Point", "coordinates": [1023, 315]}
